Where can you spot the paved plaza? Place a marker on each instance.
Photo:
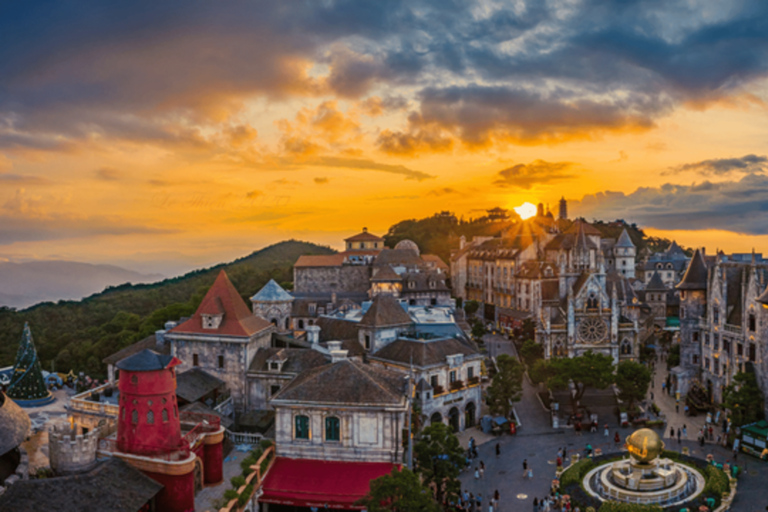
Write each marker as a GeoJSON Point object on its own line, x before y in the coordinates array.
{"type": "Point", "coordinates": [538, 442]}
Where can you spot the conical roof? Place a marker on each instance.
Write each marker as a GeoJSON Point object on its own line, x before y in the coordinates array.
{"type": "Point", "coordinates": [674, 251]}
{"type": "Point", "coordinates": [223, 299]}
{"type": "Point", "coordinates": [27, 381]}
{"type": "Point", "coordinates": [624, 240]}
{"type": "Point", "coordinates": [272, 292]}
{"type": "Point", "coordinates": [384, 311]}
{"type": "Point", "coordinates": [386, 274]}
{"type": "Point", "coordinates": [147, 361]}
{"type": "Point", "coordinates": [695, 277]}
{"type": "Point", "coordinates": [655, 284]}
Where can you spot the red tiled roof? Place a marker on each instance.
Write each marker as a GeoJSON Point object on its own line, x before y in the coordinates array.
{"type": "Point", "coordinates": [222, 297]}
{"type": "Point", "coordinates": [316, 483]}
{"type": "Point", "coordinates": [329, 260]}
{"type": "Point", "coordinates": [365, 236]}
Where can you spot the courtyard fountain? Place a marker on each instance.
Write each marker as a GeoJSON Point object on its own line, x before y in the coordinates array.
{"type": "Point", "coordinates": [645, 477]}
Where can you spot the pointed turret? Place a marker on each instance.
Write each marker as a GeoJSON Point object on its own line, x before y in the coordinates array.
{"type": "Point", "coordinates": [624, 240]}
{"type": "Point", "coordinates": [655, 284]}
{"type": "Point", "coordinates": [695, 277]}
{"type": "Point", "coordinates": [27, 383]}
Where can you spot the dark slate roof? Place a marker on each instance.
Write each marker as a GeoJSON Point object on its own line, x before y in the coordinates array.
{"type": "Point", "coordinates": [384, 273]}
{"type": "Point", "coordinates": [421, 282]}
{"type": "Point", "coordinates": [405, 257]}
{"type": "Point", "coordinates": [150, 342]}
{"type": "Point", "coordinates": [655, 284]}
{"type": "Point", "coordinates": [297, 360]}
{"type": "Point", "coordinates": [675, 252]}
{"type": "Point", "coordinates": [199, 407]}
{"type": "Point", "coordinates": [147, 361]}
{"type": "Point", "coordinates": [194, 384]}
{"type": "Point", "coordinates": [695, 277]}
{"type": "Point", "coordinates": [336, 329]}
{"type": "Point", "coordinates": [272, 292]}
{"type": "Point", "coordinates": [14, 424]}
{"type": "Point", "coordinates": [346, 382]}
{"type": "Point", "coordinates": [580, 282]}
{"type": "Point", "coordinates": [384, 311]}
{"type": "Point", "coordinates": [425, 353]}
{"type": "Point", "coordinates": [113, 485]}
{"type": "Point", "coordinates": [624, 240]}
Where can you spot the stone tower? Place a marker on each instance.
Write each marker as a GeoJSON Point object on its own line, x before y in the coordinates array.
{"type": "Point", "coordinates": [274, 304]}
{"type": "Point", "coordinates": [69, 452]}
{"type": "Point", "coordinates": [563, 212]}
{"type": "Point", "coordinates": [693, 309]}
{"type": "Point", "coordinates": [624, 253]}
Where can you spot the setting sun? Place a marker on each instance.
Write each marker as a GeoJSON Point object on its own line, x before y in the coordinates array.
{"type": "Point", "coordinates": [525, 210]}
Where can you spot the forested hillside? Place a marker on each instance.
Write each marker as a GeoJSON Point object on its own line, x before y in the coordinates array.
{"type": "Point", "coordinates": [79, 334]}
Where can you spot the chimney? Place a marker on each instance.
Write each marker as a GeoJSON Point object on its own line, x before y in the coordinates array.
{"type": "Point", "coordinates": [333, 298]}
{"type": "Point", "coordinates": [365, 230]}
{"type": "Point", "coordinates": [337, 354]}
{"type": "Point", "coordinates": [313, 334]}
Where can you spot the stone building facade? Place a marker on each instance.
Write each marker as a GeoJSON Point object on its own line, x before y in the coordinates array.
{"type": "Point", "coordinates": [70, 452]}
{"type": "Point", "coordinates": [222, 338]}
{"type": "Point", "coordinates": [274, 304]}
{"type": "Point", "coordinates": [346, 411]}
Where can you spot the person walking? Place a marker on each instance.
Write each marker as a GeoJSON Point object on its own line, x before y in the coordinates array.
{"type": "Point", "coordinates": [617, 439]}
{"type": "Point", "coordinates": [498, 450]}
{"type": "Point", "coordinates": [565, 450]}
{"type": "Point", "coordinates": [482, 469]}
{"type": "Point", "coordinates": [605, 431]}
{"type": "Point", "coordinates": [477, 473]}
{"type": "Point", "coordinates": [535, 504]}
{"type": "Point", "coordinates": [525, 468]}
{"type": "Point", "coordinates": [685, 430]}
{"type": "Point", "coordinates": [678, 435]}
{"type": "Point", "coordinates": [671, 432]}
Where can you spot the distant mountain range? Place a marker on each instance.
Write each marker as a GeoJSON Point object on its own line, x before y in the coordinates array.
{"type": "Point", "coordinates": [25, 284]}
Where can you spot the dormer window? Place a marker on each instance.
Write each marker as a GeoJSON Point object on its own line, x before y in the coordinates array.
{"type": "Point", "coordinates": [212, 321]}
{"type": "Point", "coordinates": [312, 308]}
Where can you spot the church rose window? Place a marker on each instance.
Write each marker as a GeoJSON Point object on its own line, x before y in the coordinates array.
{"type": "Point", "coordinates": [332, 428]}
{"type": "Point", "coordinates": [592, 330]}
{"type": "Point", "coordinates": [302, 427]}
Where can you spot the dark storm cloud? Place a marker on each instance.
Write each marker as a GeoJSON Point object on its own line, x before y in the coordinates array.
{"type": "Point", "coordinates": [529, 73]}
{"type": "Point", "coordinates": [739, 206]}
{"type": "Point", "coordinates": [535, 173]}
{"type": "Point", "coordinates": [720, 166]}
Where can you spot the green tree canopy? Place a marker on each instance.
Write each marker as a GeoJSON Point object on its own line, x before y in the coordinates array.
{"type": "Point", "coordinates": [632, 380]}
{"type": "Point", "coordinates": [471, 307]}
{"type": "Point", "coordinates": [531, 352]}
{"type": "Point", "coordinates": [744, 398]}
{"type": "Point", "coordinates": [439, 458]}
{"type": "Point", "coordinates": [478, 329]}
{"type": "Point", "coordinates": [507, 385]}
{"type": "Point", "coordinates": [590, 370]}
{"type": "Point", "coordinates": [399, 491]}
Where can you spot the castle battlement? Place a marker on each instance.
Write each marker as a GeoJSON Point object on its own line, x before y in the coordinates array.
{"type": "Point", "coordinates": [70, 452]}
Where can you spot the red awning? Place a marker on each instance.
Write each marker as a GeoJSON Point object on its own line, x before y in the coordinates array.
{"type": "Point", "coordinates": [315, 483]}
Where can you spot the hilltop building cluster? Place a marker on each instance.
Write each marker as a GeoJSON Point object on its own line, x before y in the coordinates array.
{"type": "Point", "coordinates": [334, 368]}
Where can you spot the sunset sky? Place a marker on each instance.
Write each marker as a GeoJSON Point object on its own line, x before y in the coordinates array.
{"type": "Point", "coordinates": [162, 136]}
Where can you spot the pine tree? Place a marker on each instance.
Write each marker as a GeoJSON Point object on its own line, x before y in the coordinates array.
{"type": "Point", "coordinates": [27, 381]}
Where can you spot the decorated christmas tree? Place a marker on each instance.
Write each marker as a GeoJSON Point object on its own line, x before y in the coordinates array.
{"type": "Point", "coordinates": [27, 380]}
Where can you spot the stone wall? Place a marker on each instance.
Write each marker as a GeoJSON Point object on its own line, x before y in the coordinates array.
{"type": "Point", "coordinates": [71, 453]}
{"type": "Point", "coordinates": [237, 359]}
{"type": "Point", "coordinates": [260, 388]}
{"type": "Point", "coordinates": [367, 435]}
{"type": "Point", "coordinates": [341, 279]}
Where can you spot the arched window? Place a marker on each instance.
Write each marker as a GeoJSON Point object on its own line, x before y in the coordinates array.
{"type": "Point", "coordinates": [332, 429]}
{"type": "Point", "coordinates": [150, 417]}
{"type": "Point", "coordinates": [165, 415]}
{"type": "Point", "coordinates": [135, 417]}
{"type": "Point", "coordinates": [302, 427]}
{"type": "Point", "coordinates": [134, 380]}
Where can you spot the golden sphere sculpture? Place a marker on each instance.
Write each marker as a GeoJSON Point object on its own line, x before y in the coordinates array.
{"type": "Point", "coordinates": [644, 445]}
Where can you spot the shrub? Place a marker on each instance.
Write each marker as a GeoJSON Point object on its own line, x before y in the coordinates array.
{"type": "Point", "coordinates": [717, 483]}
{"type": "Point", "coordinates": [230, 494]}
{"type": "Point", "coordinates": [245, 496]}
{"type": "Point", "coordinates": [265, 443]}
{"type": "Point", "coordinates": [576, 473]}
{"type": "Point", "coordinates": [246, 464]}
{"type": "Point", "coordinates": [237, 481]}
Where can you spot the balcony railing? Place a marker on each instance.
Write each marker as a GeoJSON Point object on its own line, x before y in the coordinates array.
{"type": "Point", "coordinates": [472, 381]}
{"type": "Point", "coordinates": [732, 328]}
{"type": "Point", "coordinates": [457, 385]}
{"type": "Point", "coordinates": [438, 390]}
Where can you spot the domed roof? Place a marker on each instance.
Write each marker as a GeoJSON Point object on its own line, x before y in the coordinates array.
{"type": "Point", "coordinates": [644, 445]}
{"type": "Point", "coordinates": [14, 424]}
{"type": "Point", "coordinates": [409, 245]}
